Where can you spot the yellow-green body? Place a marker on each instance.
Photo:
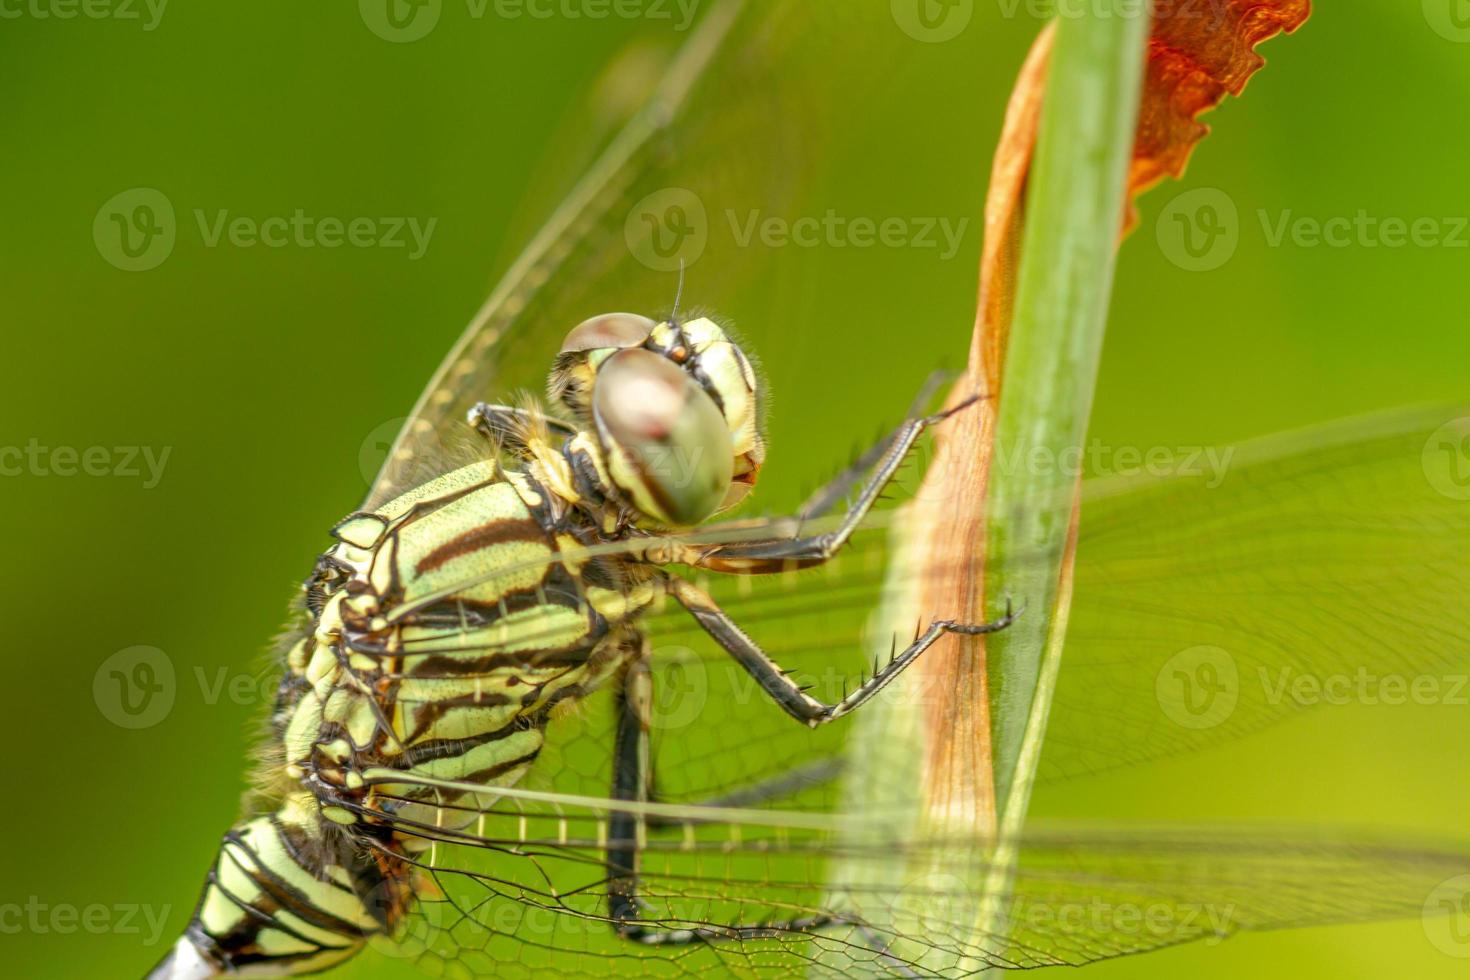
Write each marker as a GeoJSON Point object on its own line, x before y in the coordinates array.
{"type": "Point", "coordinates": [445, 628]}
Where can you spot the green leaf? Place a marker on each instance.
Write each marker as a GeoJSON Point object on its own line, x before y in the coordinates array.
{"type": "Point", "coordinates": [1074, 217]}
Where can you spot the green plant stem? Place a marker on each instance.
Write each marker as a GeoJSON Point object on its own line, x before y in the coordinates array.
{"type": "Point", "coordinates": [1073, 220]}
{"type": "Point", "coordinates": [1074, 216]}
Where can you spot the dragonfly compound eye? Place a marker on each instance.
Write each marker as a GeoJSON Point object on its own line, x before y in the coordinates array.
{"type": "Point", "coordinates": [668, 446]}
{"type": "Point", "coordinates": [608, 330]}
{"type": "Point", "coordinates": [586, 346]}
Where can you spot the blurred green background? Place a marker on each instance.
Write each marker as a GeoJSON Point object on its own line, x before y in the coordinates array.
{"type": "Point", "coordinates": [268, 374]}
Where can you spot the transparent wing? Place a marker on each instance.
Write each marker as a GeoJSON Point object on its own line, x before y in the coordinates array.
{"type": "Point", "coordinates": [1199, 609]}
{"type": "Point", "coordinates": [1326, 564]}
{"type": "Point", "coordinates": [1318, 555]}
{"type": "Point", "coordinates": [1329, 552]}
{"type": "Point", "coordinates": [733, 128]}
{"type": "Point", "coordinates": [522, 892]}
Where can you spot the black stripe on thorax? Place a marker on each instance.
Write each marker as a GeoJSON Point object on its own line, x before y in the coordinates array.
{"type": "Point", "coordinates": [501, 768]}
{"type": "Point", "coordinates": [444, 666]}
{"type": "Point", "coordinates": [498, 531]}
{"type": "Point", "coordinates": [451, 748]}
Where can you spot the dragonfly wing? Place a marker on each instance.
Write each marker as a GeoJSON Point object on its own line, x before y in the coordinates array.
{"type": "Point", "coordinates": [1319, 556]}
{"type": "Point", "coordinates": [523, 891]}
{"type": "Point", "coordinates": [1326, 564]}
{"type": "Point", "coordinates": [1087, 892]}
{"type": "Point", "coordinates": [731, 128]}
{"type": "Point", "coordinates": [1309, 555]}
{"type": "Point", "coordinates": [1325, 567]}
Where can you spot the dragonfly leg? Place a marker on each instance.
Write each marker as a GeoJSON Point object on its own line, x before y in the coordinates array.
{"type": "Point", "coordinates": [782, 689]}
{"type": "Point", "coordinates": [631, 778]}
{"type": "Point", "coordinates": [633, 697]}
{"type": "Point", "coordinates": [803, 551]}
{"type": "Point", "coordinates": [825, 498]}
{"type": "Point", "coordinates": [506, 424]}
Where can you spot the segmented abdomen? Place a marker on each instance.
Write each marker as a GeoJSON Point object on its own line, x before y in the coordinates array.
{"type": "Point", "coordinates": [445, 629]}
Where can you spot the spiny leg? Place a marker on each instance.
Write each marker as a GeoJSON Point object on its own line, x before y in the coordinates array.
{"type": "Point", "coordinates": [781, 688]}
{"type": "Point", "coordinates": [825, 498]}
{"type": "Point", "coordinates": [506, 423]}
{"type": "Point", "coordinates": [631, 778]}
{"type": "Point", "coordinates": [788, 553]}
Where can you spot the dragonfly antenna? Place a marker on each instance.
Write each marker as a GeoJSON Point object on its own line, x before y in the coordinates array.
{"type": "Point", "coordinates": [678, 294]}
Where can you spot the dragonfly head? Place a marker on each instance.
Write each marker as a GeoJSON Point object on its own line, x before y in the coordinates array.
{"type": "Point", "coordinates": [675, 408]}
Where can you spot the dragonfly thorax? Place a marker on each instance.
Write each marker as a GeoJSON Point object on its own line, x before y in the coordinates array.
{"type": "Point", "coordinates": [445, 628]}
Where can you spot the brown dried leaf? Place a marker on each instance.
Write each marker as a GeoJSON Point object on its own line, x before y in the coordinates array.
{"type": "Point", "coordinates": [1193, 62]}
{"type": "Point", "coordinates": [1195, 58]}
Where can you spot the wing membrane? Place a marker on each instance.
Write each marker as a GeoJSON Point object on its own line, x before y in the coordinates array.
{"type": "Point", "coordinates": [1329, 555]}
{"type": "Point", "coordinates": [732, 129]}
{"type": "Point", "coordinates": [526, 888]}
{"type": "Point", "coordinates": [1332, 555]}
{"type": "Point", "coordinates": [1197, 607]}
{"type": "Point", "coordinates": [1330, 552]}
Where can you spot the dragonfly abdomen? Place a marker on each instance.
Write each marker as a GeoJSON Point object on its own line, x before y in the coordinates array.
{"type": "Point", "coordinates": [443, 634]}
{"type": "Point", "coordinates": [286, 896]}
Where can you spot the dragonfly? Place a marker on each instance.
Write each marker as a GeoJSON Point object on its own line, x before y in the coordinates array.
{"type": "Point", "coordinates": [510, 741]}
